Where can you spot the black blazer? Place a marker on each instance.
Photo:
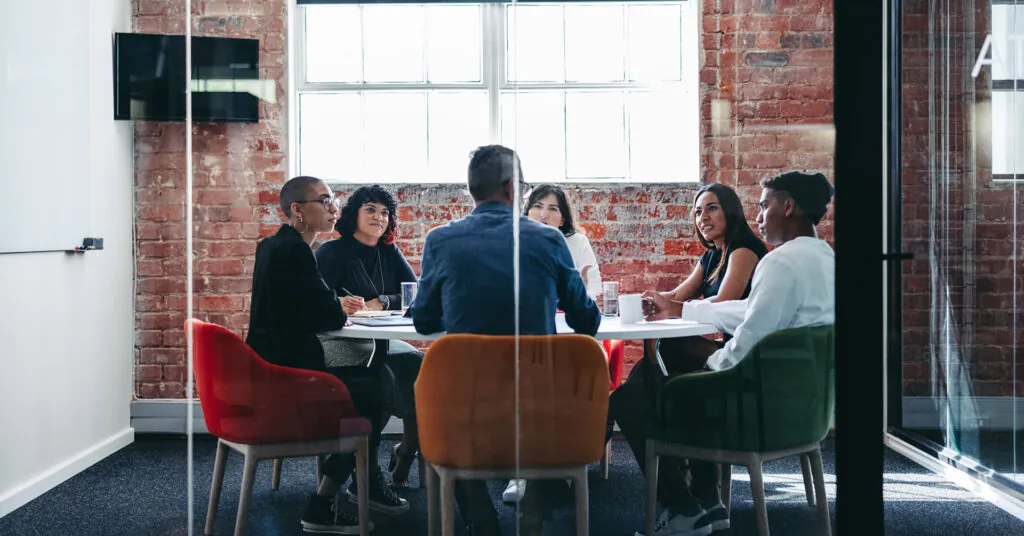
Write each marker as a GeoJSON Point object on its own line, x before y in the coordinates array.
{"type": "Point", "coordinates": [290, 303]}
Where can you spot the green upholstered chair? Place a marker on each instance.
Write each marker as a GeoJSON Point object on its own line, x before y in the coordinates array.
{"type": "Point", "coordinates": [775, 403]}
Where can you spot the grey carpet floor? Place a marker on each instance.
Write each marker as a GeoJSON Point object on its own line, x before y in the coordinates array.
{"type": "Point", "coordinates": [141, 490]}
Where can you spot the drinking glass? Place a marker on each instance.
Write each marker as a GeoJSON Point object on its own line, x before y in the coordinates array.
{"type": "Point", "coordinates": [611, 298]}
{"type": "Point", "coordinates": [408, 295]}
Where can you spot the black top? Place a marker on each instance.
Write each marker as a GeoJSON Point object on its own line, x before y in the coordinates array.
{"type": "Point", "coordinates": [366, 271]}
{"type": "Point", "coordinates": [290, 303]}
{"type": "Point", "coordinates": [709, 261]}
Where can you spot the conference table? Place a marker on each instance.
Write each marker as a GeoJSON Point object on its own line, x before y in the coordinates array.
{"type": "Point", "coordinates": [611, 328]}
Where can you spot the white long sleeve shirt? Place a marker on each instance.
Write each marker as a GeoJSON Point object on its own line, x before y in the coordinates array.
{"type": "Point", "coordinates": [794, 286]}
{"type": "Point", "coordinates": [583, 255]}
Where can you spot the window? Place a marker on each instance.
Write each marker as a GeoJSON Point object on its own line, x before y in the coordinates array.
{"type": "Point", "coordinates": [1007, 55]}
{"type": "Point", "coordinates": [402, 93]}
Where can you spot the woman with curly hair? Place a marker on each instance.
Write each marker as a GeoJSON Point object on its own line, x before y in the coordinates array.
{"type": "Point", "coordinates": [366, 267]}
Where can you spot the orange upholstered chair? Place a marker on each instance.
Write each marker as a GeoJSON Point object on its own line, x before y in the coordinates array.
{"type": "Point", "coordinates": [467, 414]}
{"type": "Point", "coordinates": [264, 411]}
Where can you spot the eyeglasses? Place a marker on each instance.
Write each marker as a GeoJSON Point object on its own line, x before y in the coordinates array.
{"type": "Point", "coordinates": [327, 202]}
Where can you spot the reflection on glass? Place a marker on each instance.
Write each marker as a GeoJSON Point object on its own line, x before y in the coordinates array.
{"type": "Point", "coordinates": [1007, 41]}
{"type": "Point", "coordinates": [655, 43]}
{"type": "Point", "coordinates": [393, 40]}
{"type": "Point", "coordinates": [595, 134]}
{"type": "Point", "coordinates": [333, 44]}
{"type": "Point", "coordinates": [534, 125]}
{"type": "Point", "coordinates": [1007, 145]}
{"type": "Point", "coordinates": [457, 124]}
{"type": "Point", "coordinates": [593, 43]}
{"type": "Point", "coordinates": [395, 135]}
{"type": "Point", "coordinates": [453, 43]}
{"type": "Point", "coordinates": [656, 135]}
{"type": "Point", "coordinates": [331, 136]}
{"type": "Point", "coordinates": [537, 53]}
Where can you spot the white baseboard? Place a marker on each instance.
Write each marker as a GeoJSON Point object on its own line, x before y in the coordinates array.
{"type": "Point", "coordinates": [21, 495]}
{"type": "Point", "coordinates": [170, 416]}
{"type": "Point", "coordinates": [989, 413]}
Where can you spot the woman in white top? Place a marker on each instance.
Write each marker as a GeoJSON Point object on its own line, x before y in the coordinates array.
{"type": "Point", "coordinates": [548, 204]}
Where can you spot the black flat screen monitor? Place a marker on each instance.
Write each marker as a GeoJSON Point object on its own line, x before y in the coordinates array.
{"type": "Point", "coordinates": [149, 78]}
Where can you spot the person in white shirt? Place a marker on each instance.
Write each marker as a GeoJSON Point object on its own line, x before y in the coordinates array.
{"type": "Point", "coordinates": [549, 205]}
{"type": "Point", "coordinates": [793, 286]}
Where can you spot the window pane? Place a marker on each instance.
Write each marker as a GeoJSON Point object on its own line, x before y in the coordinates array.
{"type": "Point", "coordinates": [595, 135]}
{"type": "Point", "coordinates": [655, 43]}
{"type": "Point", "coordinates": [393, 38]}
{"type": "Point", "coordinates": [453, 43]}
{"type": "Point", "coordinates": [458, 124]}
{"type": "Point", "coordinates": [534, 125]}
{"type": "Point", "coordinates": [657, 137]}
{"type": "Point", "coordinates": [395, 136]}
{"type": "Point", "coordinates": [535, 49]}
{"type": "Point", "coordinates": [333, 44]}
{"type": "Point", "coordinates": [331, 136]}
{"type": "Point", "coordinates": [593, 43]}
{"type": "Point", "coordinates": [1007, 141]}
{"type": "Point", "coordinates": [1007, 27]}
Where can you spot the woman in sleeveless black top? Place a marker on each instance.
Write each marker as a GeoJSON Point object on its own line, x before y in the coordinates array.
{"type": "Point", "coordinates": [725, 272]}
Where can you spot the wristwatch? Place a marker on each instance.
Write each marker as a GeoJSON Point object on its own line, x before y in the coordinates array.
{"type": "Point", "coordinates": [385, 302]}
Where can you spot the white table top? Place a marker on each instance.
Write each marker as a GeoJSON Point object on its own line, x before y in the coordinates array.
{"type": "Point", "coordinates": [610, 328]}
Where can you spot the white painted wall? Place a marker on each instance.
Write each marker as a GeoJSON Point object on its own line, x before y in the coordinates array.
{"type": "Point", "coordinates": [66, 336]}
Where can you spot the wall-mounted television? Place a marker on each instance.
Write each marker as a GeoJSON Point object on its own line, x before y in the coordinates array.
{"type": "Point", "coordinates": [149, 78]}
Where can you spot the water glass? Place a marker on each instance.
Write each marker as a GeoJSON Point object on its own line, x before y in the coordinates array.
{"type": "Point", "coordinates": [408, 294]}
{"type": "Point", "coordinates": [611, 298]}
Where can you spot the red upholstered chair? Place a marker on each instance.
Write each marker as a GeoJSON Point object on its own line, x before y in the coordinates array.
{"type": "Point", "coordinates": [264, 411]}
{"type": "Point", "coordinates": [616, 352]}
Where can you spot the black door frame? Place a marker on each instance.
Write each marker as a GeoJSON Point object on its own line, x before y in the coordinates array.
{"type": "Point", "coordinates": [860, 178]}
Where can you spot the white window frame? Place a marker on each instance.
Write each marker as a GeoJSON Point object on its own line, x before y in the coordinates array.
{"type": "Point", "coordinates": [494, 81]}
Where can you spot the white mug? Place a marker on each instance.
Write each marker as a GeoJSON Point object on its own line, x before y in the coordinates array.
{"type": "Point", "coordinates": [630, 308]}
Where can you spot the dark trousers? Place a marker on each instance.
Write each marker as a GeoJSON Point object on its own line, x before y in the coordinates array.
{"type": "Point", "coordinates": [477, 507]}
{"type": "Point", "coordinates": [632, 406]}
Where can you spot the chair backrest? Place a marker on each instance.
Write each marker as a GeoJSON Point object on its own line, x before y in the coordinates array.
{"type": "Point", "coordinates": [616, 350]}
{"type": "Point", "coordinates": [247, 400]}
{"type": "Point", "coordinates": [788, 392]}
{"type": "Point", "coordinates": [467, 405]}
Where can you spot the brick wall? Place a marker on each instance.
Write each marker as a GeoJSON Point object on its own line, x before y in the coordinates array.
{"type": "Point", "coordinates": [766, 87]}
{"type": "Point", "coordinates": [958, 222]}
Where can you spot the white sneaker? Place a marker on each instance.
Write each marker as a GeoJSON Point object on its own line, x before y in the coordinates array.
{"type": "Point", "coordinates": [680, 525]}
{"type": "Point", "coordinates": [515, 491]}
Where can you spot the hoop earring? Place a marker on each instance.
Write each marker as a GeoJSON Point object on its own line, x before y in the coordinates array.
{"type": "Point", "coordinates": [307, 226]}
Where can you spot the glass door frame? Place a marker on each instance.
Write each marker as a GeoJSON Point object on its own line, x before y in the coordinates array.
{"type": "Point", "coordinates": [962, 470]}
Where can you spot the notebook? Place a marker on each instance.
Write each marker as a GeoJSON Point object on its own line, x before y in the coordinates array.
{"type": "Point", "coordinates": [383, 321]}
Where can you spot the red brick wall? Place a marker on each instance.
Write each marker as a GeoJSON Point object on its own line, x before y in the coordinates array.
{"type": "Point", "coordinates": [769, 60]}
{"type": "Point", "coordinates": [957, 220]}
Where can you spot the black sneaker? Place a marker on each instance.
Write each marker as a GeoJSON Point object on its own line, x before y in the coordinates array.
{"type": "Point", "coordinates": [324, 517]}
{"type": "Point", "coordinates": [382, 498]}
{"type": "Point", "coordinates": [717, 517]}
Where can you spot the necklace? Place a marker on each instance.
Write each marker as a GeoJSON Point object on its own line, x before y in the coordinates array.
{"type": "Point", "coordinates": [370, 279]}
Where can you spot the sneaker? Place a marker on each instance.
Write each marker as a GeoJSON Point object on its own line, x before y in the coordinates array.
{"type": "Point", "coordinates": [679, 525]}
{"type": "Point", "coordinates": [383, 499]}
{"type": "Point", "coordinates": [324, 517]}
{"type": "Point", "coordinates": [515, 491]}
{"type": "Point", "coordinates": [718, 517]}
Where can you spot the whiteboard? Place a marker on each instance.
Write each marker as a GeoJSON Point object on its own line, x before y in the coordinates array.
{"type": "Point", "coordinates": [45, 98]}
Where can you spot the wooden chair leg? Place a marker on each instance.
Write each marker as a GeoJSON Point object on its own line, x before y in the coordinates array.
{"type": "Point", "coordinates": [363, 485]}
{"type": "Point", "coordinates": [248, 480]}
{"type": "Point", "coordinates": [819, 487]}
{"type": "Point", "coordinates": [582, 503]}
{"type": "Point", "coordinates": [605, 459]}
{"type": "Point", "coordinates": [805, 466]}
{"type": "Point", "coordinates": [215, 486]}
{"type": "Point", "coordinates": [275, 480]}
{"type": "Point", "coordinates": [727, 487]}
{"type": "Point", "coordinates": [433, 500]}
{"type": "Point", "coordinates": [757, 490]}
{"type": "Point", "coordinates": [447, 503]}
{"type": "Point", "coordinates": [652, 487]}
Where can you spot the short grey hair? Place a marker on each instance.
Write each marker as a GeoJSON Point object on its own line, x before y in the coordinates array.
{"type": "Point", "coordinates": [490, 167]}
